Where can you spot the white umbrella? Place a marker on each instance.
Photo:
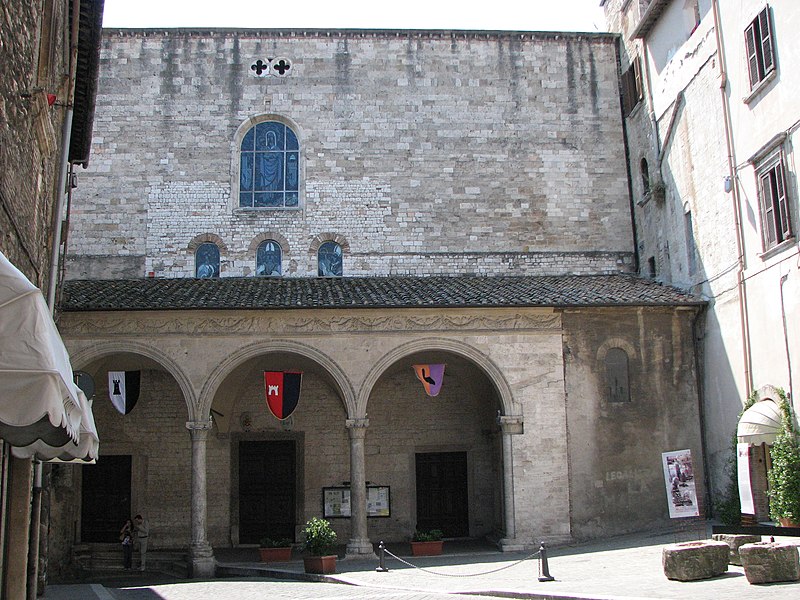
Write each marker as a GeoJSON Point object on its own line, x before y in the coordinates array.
{"type": "Point", "coordinates": [760, 423]}
{"type": "Point", "coordinates": [38, 399]}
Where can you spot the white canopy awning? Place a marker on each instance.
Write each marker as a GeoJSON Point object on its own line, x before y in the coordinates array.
{"type": "Point", "coordinates": [39, 402]}
{"type": "Point", "coordinates": [760, 423]}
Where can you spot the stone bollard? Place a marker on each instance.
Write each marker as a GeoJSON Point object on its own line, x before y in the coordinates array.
{"type": "Point", "coordinates": [767, 562]}
{"type": "Point", "coordinates": [690, 561]}
{"type": "Point", "coordinates": [736, 541]}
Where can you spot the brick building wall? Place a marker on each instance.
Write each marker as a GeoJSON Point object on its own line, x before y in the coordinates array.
{"type": "Point", "coordinates": [430, 152]}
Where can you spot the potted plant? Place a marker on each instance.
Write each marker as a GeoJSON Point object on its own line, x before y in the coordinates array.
{"type": "Point", "coordinates": [784, 476]}
{"type": "Point", "coordinates": [320, 541]}
{"type": "Point", "coordinates": [275, 550]}
{"type": "Point", "coordinates": [427, 543]}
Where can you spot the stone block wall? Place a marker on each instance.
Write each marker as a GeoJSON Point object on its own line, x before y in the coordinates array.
{"type": "Point", "coordinates": [616, 476]}
{"type": "Point", "coordinates": [428, 152]}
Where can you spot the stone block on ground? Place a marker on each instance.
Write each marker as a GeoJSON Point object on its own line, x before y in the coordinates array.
{"type": "Point", "coordinates": [736, 541]}
{"type": "Point", "coordinates": [690, 561]}
{"type": "Point", "coordinates": [768, 562]}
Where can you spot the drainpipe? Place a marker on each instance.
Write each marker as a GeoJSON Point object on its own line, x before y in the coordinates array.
{"type": "Point", "coordinates": [736, 205]}
{"type": "Point", "coordinates": [52, 284]}
{"type": "Point", "coordinates": [786, 337]}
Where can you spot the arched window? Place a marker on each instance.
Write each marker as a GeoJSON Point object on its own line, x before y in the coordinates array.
{"type": "Point", "coordinates": [268, 259]}
{"type": "Point", "coordinates": [329, 259]}
{"type": "Point", "coordinates": [645, 172]}
{"type": "Point", "coordinates": [206, 261]}
{"type": "Point", "coordinates": [269, 167]}
{"type": "Point", "coordinates": [617, 375]}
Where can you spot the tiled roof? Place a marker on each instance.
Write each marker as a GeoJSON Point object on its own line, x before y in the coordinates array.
{"type": "Point", "coordinates": [231, 293]}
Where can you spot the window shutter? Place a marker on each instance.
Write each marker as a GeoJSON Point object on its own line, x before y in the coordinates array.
{"type": "Point", "coordinates": [637, 74]}
{"type": "Point", "coordinates": [765, 27]}
{"type": "Point", "coordinates": [768, 211]}
{"type": "Point", "coordinates": [752, 59]}
{"type": "Point", "coordinates": [782, 204]}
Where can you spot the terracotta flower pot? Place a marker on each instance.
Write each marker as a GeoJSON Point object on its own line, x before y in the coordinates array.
{"type": "Point", "coordinates": [788, 523]}
{"type": "Point", "coordinates": [321, 565]}
{"type": "Point", "coordinates": [275, 554]}
{"type": "Point", "coordinates": [427, 548]}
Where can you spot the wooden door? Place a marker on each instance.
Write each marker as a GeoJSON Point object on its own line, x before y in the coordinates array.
{"type": "Point", "coordinates": [105, 498]}
{"type": "Point", "coordinates": [266, 490]}
{"type": "Point", "coordinates": [442, 493]}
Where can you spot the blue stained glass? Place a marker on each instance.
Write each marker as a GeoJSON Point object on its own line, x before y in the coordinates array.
{"type": "Point", "coordinates": [269, 171]}
{"type": "Point", "coordinates": [291, 170]}
{"type": "Point", "coordinates": [246, 199]}
{"type": "Point", "coordinates": [329, 259]}
{"type": "Point", "coordinates": [249, 140]}
{"type": "Point", "coordinates": [268, 259]}
{"type": "Point", "coordinates": [291, 140]}
{"type": "Point", "coordinates": [246, 171]}
{"type": "Point", "coordinates": [291, 199]}
{"type": "Point", "coordinates": [206, 261]}
{"type": "Point", "coordinates": [270, 136]}
{"type": "Point", "coordinates": [273, 199]}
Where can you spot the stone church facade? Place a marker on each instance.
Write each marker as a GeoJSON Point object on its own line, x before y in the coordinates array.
{"type": "Point", "coordinates": [348, 204]}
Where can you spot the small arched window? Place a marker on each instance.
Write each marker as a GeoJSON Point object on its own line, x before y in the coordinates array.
{"type": "Point", "coordinates": [329, 259]}
{"type": "Point", "coordinates": [206, 261]}
{"type": "Point", "coordinates": [617, 375]}
{"type": "Point", "coordinates": [269, 167]}
{"type": "Point", "coordinates": [645, 171]}
{"type": "Point", "coordinates": [268, 259]}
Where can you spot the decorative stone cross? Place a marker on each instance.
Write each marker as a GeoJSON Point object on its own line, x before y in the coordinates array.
{"type": "Point", "coordinates": [259, 67]}
{"type": "Point", "coordinates": [282, 66]}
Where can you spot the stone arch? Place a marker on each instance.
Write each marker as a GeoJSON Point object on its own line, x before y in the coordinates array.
{"type": "Point", "coordinates": [266, 236]}
{"type": "Point", "coordinates": [615, 342]}
{"type": "Point", "coordinates": [483, 362]}
{"type": "Point", "coordinates": [327, 237]}
{"type": "Point", "coordinates": [203, 238]}
{"type": "Point", "coordinates": [84, 357]}
{"type": "Point", "coordinates": [226, 367]}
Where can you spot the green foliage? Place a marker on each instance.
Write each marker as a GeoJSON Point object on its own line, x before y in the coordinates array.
{"type": "Point", "coordinates": [320, 537]}
{"type": "Point", "coordinates": [784, 476]}
{"type": "Point", "coordinates": [434, 535]}
{"type": "Point", "coordinates": [268, 542]}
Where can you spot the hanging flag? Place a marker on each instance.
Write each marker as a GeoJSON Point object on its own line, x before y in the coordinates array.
{"type": "Point", "coordinates": [123, 389]}
{"type": "Point", "coordinates": [282, 389]}
{"type": "Point", "coordinates": [431, 377]}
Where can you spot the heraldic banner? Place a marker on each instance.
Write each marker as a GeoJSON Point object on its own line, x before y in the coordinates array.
{"type": "Point", "coordinates": [123, 389]}
{"type": "Point", "coordinates": [282, 389]}
{"type": "Point", "coordinates": [431, 377]}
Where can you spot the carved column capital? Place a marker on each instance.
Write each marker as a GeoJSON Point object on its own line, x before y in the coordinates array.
{"type": "Point", "coordinates": [357, 427]}
{"type": "Point", "coordinates": [199, 428]}
{"type": "Point", "coordinates": [511, 424]}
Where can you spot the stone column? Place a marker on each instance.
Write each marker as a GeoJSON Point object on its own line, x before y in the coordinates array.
{"type": "Point", "coordinates": [20, 482]}
{"type": "Point", "coordinates": [201, 555]}
{"type": "Point", "coordinates": [359, 545]}
{"type": "Point", "coordinates": [509, 425]}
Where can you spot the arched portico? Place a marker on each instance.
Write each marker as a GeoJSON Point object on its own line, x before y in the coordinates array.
{"type": "Point", "coordinates": [459, 427]}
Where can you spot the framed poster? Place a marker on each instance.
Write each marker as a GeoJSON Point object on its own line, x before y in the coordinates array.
{"type": "Point", "coordinates": [336, 502]}
{"type": "Point", "coordinates": [679, 481]}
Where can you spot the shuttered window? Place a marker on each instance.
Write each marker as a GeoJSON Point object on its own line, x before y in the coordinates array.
{"type": "Point", "coordinates": [776, 220]}
{"type": "Point", "coordinates": [760, 50]}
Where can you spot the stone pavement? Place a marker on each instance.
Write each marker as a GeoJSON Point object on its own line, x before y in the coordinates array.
{"type": "Point", "coordinates": [625, 568]}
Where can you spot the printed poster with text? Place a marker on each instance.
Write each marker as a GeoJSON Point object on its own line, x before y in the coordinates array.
{"type": "Point", "coordinates": [679, 480]}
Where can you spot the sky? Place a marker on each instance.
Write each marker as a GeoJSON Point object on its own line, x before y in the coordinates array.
{"type": "Point", "coordinates": [523, 15]}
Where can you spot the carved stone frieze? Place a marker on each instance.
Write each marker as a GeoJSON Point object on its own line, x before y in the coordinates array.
{"type": "Point", "coordinates": [96, 324]}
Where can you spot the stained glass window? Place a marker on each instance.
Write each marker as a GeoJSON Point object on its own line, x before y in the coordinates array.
{"type": "Point", "coordinates": [269, 167]}
{"type": "Point", "coordinates": [206, 261]}
{"type": "Point", "coordinates": [268, 259]}
{"type": "Point", "coordinates": [329, 258]}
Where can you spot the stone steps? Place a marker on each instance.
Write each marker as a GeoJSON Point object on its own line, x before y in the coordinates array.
{"type": "Point", "coordinates": [106, 559]}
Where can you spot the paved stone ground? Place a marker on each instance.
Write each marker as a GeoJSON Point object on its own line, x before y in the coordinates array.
{"type": "Point", "coordinates": [624, 568]}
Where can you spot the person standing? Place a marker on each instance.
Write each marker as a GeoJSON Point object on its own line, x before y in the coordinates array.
{"type": "Point", "coordinates": [142, 533]}
{"type": "Point", "coordinates": [126, 537]}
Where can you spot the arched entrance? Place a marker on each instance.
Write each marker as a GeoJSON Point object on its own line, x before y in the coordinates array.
{"type": "Point", "coordinates": [274, 469]}
{"type": "Point", "coordinates": [441, 456]}
{"type": "Point", "coordinates": [142, 452]}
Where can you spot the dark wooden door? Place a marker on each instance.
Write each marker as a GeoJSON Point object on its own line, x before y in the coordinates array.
{"type": "Point", "coordinates": [266, 490]}
{"type": "Point", "coordinates": [105, 498]}
{"type": "Point", "coordinates": [442, 493]}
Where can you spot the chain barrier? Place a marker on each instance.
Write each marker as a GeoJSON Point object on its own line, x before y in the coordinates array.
{"type": "Point", "coordinates": [383, 549]}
